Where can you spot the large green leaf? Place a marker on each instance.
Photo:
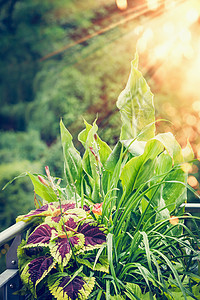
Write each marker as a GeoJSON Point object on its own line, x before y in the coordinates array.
{"type": "Point", "coordinates": [44, 191]}
{"type": "Point", "coordinates": [72, 160]}
{"type": "Point", "coordinates": [86, 137]}
{"type": "Point", "coordinates": [175, 193]}
{"type": "Point", "coordinates": [139, 169]}
{"type": "Point", "coordinates": [136, 107]}
{"type": "Point", "coordinates": [93, 164]}
{"type": "Point", "coordinates": [113, 157]}
{"type": "Point", "coordinates": [89, 138]}
{"type": "Point", "coordinates": [171, 145]}
{"type": "Point", "coordinates": [172, 193]}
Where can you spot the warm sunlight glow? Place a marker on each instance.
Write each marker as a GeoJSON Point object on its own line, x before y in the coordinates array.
{"type": "Point", "coordinates": [196, 106]}
{"type": "Point", "coordinates": [185, 35]}
{"type": "Point", "coordinates": [152, 4]}
{"type": "Point", "coordinates": [170, 46]}
{"type": "Point", "coordinates": [192, 16]}
{"type": "Point", "coordinates": [168, 28]}
{"type": "Point", "coordinates": [121, 4]}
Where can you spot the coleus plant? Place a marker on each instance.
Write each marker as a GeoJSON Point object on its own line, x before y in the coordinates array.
{"type": "Point", "coordinates": [115, 231]}
{"type": "Point", "coordinates": [64, 237]}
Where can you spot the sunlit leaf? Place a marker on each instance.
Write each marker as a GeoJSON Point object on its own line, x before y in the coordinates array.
{"type": "Point", "coordinates": [187, 152]}
{"type": "Point", "coordinates": [139, 169]}
{"type": "Point", "coordinates": [136, 107]}
{"type": "Point", "coordinates": [171, 145]}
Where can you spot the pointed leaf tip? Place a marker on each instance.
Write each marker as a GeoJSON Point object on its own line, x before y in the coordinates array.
{"type": "Point", "coordinates": [136, 107]}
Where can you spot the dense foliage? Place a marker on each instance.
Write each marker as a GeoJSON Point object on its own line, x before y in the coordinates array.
{"type": "Point", "coordinates": [116, 230]}
{"type": "Point", "coordinates": [82, 76]}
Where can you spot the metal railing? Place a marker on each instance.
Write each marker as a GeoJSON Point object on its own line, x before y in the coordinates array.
{"type": "Point", "coordinates": [9, 279]}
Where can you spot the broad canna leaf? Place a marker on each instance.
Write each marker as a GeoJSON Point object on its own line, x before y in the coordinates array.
{"type": "Point", "coordinates": [36, 270]}
{"type": "Point", "coordinates": [83, 135]}
{"type": "Point", "coordinates": [171, 145]}
{"type": "Point", "coordinates": [113, 157]}
{"type": "Point", "coordinates": [170, 194]}
{"type": "Point", "coordinates": [139, 169]}
{"type": "Point", "coordinates": [86, 137]}
{"type": "Point", "coordinates": [72, 162]}
{"type": "Point", "coordinates": [94, 234]}
{"type": "Point", "coordinates": [45, 192]}
{"type": "Point", "coordinates": [188, 154]}
{"type": "Point", "coordinates": [96, 154]}
{"type": "Point", "coordinates": [69, 288]}
{"type": "Point", "coordinates": [134, 146]}
{"type": "Point", "coordinates": [136, 107]}
{"type": "Point", "coordinates": [175, 193]}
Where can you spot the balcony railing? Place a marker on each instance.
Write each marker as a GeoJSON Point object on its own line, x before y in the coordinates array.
{"type": "Point", "coordinates": [9, 279]}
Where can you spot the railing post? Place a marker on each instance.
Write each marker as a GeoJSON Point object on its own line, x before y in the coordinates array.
{"type": "Point", "coordinates": [9, 279]}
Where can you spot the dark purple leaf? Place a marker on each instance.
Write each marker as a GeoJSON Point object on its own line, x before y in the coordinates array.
{"type": "Point", "coordinates": [41, 234]}
{"type": "Point", "coordinates": [61, 248]}
{"type": "Point", "coordinates": [73, 288]}
{"type": "Point", "coordinates": [34, 251]}
{"type": "Point", "coordinates": [38, 266]}
{"type": "Point", "coordinates": [38, 212]}
{"type": "Point", "coordinates": [78, 288]}
{"type": "Point", "coordinates": [86, 207]}
{"type": "Point", "coordinates": [68, 206]}
{"type": "Point", "coordinates": [70, 224]}
{"type": "Point", "coordinates": [94, 234]}
{"type": "Point", "coordinates": [56, 219]}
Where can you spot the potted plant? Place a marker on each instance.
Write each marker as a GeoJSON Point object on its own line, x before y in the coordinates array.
{"type": "Point", "coordinates": [116, 230]}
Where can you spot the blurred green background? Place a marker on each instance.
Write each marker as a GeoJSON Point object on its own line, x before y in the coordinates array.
{"type": "Point", "coordinates": [70, 59]}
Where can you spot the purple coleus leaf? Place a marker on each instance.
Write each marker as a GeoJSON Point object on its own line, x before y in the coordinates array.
{"type": "Point", "coordinates": [86, 207]}
{"type": "Point", "coordinates": [50, 209]}
{"type": "Point", "coordinates": [61, 247]}
{"type": "Point", "coordinates": [70, 224]}
{"type": "Point", "coordinates": [39, 212]}
{"type": "Point", "coordinates": [71, 289]}
{"type": "Point", "coordinates": [68, 206]}
{"type": "Point", "coordinates": [40, 236]}
{"type": "Point", "coordinates": [36, 270]}
{"type": "Point", "coordinates": [56, 219]}
{"type": "Point", "coordinates": [95, 235]}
